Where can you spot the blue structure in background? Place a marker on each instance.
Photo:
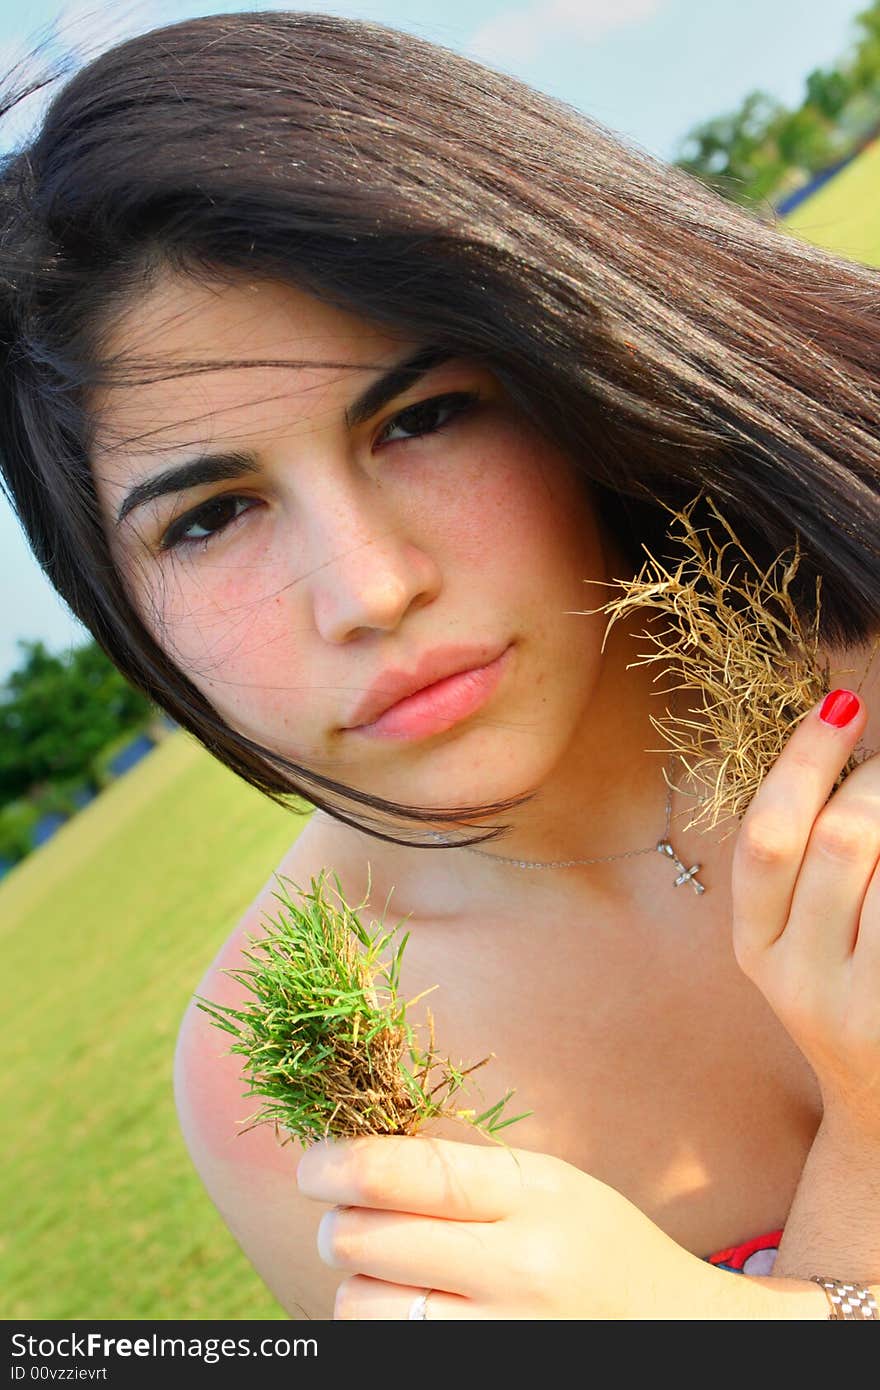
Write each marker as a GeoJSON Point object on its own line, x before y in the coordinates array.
{"type": "Point", "coordinates": [83, 795]}
{"type": "Point", "coordinates": [800, 195]}
{"type": "Point", "coordinates": [45, 828]}
{"type": "Point", "coordinates": [131, 754]}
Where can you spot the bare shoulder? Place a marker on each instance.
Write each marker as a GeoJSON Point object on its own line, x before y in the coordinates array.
{"type": "Point", "coordinates": [251, 1177]}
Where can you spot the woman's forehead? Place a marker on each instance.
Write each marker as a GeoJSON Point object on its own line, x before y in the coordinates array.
{"type": "Point", "coordinates": [182, 321]}
{"type": "Point", "coordinates": [180, 318]}
{"type": "Point", "coordinates": [190, 306]}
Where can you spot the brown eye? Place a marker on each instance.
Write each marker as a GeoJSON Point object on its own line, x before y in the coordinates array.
{"type": "Point", "coordinates": [204, 518]}
{"type": "Point", "coordinates": [419, 419]}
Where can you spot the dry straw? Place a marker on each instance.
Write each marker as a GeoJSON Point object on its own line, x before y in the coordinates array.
{"type": "Point", "coordinates": [743, 649]}
{"type": "Point", "coordinates": [326, 1039]}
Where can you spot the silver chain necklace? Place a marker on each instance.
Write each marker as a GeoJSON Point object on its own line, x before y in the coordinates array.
{"type": "Point", "coordinates": [662, 846]}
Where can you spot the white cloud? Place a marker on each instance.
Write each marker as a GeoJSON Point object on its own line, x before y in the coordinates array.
{"type": "Point", "coordinates": [519, 36]}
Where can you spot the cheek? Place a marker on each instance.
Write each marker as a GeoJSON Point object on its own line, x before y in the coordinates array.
{"type": "Point", "coordinates": [234, 635]}
{"type": "Point", "coordinates": [225, 625]}
{"type": "Point", "coordinates": [513, 497]}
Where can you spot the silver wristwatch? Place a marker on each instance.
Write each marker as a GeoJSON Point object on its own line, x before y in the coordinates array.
{"type": "Point", "coordinates": [848, 1300]}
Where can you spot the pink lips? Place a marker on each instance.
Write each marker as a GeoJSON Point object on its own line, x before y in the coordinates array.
{"type": "Point", "coordinates": [438, 706]}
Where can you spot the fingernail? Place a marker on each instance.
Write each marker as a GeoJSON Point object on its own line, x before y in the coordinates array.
{"type": "Point", "coordinates": [839, 707]}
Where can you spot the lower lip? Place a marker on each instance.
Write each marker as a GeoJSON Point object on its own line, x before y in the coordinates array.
{"type": "Point", "coordinates": [440, 705]}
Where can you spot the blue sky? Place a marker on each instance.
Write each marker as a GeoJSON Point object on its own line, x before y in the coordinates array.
{"type": "Point", "coordinates": [647, 69]}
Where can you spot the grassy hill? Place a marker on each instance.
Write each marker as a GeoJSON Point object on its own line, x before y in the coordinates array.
{"type": "Point", "coordinates": [105, 932]}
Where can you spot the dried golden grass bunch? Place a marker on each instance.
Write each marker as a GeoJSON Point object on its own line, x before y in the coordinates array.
{"type": "Point", "coordinates": [743, 649]}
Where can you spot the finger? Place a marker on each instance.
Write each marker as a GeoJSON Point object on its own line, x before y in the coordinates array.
{"type": "Point", "coordinates": [360, 1297]}
{"type": "Point", "coordinates": [841, 855]}
{"type": "Point", "coordinates": [772, 839]}
{"type": "Point", "coordinates": [421, 1174]}
{"type": "Point", "coordinates": [866, 955]}
{"type": "Point", "coordinates": [422, 1250]}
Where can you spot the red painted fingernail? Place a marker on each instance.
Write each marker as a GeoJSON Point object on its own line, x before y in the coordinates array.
{"type": "Point", "coordinates": [839, 708]}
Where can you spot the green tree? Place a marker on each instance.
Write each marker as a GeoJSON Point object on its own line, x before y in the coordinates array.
{"type": "Point", "coordinates": [57, 712]}
{"type": "Point", "coordinates": [828, 92]}
{"type": "Point", "coordinates": [736, 153]}
{"type": "Point", "coordinates": [762, 151]}
{"type": "Point", "coordinates": [804, 141]}
{"type": "Point", "coordinates": [865, 66]}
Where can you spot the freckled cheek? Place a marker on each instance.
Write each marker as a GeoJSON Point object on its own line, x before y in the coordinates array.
{"type": "Point", "coordinates": [512, 500]}
{"type": "Point", "coordinates": [230, 615]}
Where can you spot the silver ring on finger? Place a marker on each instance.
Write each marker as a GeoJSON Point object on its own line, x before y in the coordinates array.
{"type": "Point", "coordinates": [419, 1306]}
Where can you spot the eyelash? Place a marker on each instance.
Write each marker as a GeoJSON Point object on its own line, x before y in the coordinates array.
{"type": "Point", "coordinates": [174, 539]}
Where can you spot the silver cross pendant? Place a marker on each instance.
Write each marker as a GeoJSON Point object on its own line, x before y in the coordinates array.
{"type": "Point", "coordinates": [686, 875]}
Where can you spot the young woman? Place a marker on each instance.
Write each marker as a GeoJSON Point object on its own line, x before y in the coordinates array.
{"type": "Point", "coordinates": [333, 365]}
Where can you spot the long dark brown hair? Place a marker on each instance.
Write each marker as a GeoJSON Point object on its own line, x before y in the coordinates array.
{"type": "Point", "coordinates": [667, 340]}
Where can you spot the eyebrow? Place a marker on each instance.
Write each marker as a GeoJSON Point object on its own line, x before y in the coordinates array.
{"type": "Point", "coordinates": [213, 468]}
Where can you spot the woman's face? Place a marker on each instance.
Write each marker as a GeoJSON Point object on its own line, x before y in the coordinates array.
{"type": "Point", "coordinates": [344, 549]}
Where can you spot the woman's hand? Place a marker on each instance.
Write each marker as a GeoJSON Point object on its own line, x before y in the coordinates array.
{"type": "Point", "coordinates": [806, 909]}
{"type": "Point", "coordinates": [493, 1232]}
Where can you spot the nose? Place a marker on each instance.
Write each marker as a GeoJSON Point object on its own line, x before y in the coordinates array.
{"type": "Point", "coordinates": [370, 572]}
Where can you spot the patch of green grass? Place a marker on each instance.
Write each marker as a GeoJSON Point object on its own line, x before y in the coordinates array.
{"type": "Point", "coordinates": [105, 933]}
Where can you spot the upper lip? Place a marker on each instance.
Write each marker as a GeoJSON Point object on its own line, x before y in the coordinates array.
{"type": "Point", "coordinates": [393, 685]}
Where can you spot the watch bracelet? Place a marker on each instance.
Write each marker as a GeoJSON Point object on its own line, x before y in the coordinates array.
{"type": "Point", "coordinates": [849, 1302]}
